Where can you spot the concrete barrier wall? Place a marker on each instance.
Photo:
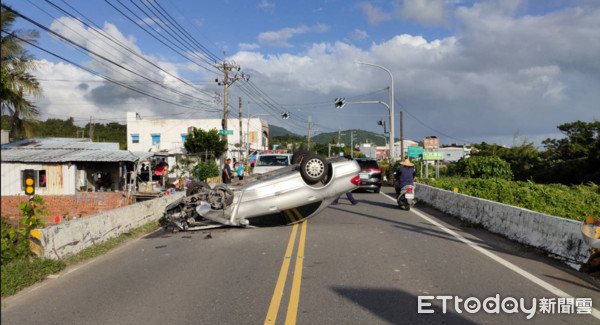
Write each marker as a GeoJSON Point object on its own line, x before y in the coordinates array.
{"type": "Point", "coordinates": [552, 234]}
{"type": "Point", "coordinates": [67, 238]}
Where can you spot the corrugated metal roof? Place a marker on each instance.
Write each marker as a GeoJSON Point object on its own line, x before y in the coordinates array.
{"type": "Point", "coordinates": [61, 143]}
{"type": "Point", "coordinates": [57, 150]}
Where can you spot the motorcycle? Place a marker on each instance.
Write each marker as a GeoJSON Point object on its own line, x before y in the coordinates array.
{"type": "Point", "coordinates": [406, 198]}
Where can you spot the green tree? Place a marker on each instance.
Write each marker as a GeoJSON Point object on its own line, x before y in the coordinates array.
{"type": "Point", "coordinates": [207, 144]}
{"type": "Point", "coordinates": [581, 138]}
{"type": "Point", "coordinates": [17, 81]}
{"type": "Point", "coordinates": [205, 169]}
{"type": "Point", "coordinates": [484, 167]}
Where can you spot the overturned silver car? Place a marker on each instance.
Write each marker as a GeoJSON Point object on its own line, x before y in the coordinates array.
{"type": "Point", "coordinates": [285, 196]}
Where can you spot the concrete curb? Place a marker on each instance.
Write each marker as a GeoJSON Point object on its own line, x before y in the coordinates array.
{"type": "Point", "coordinates": [61, 240]}
{"type": "Point", "coordinates": [555, 235]}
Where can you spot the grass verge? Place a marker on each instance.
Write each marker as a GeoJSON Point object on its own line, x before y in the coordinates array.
{"type": "Point", "coordinates": [20, 274]}
{"type": "Point", "coordinates": [572, 202]}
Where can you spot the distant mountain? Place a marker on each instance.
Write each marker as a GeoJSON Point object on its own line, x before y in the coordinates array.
{"type": "Point", "coordinates": [277, 131]}
{"type": "Point", "coordinates": [360, 136]}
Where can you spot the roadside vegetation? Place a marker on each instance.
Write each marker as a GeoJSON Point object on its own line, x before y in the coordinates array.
{"type": "Point", "coordinates": [573, 202]}
{"type": "Point", "coordinates": [21, 268]}
{"type": "Point", "coordinates": [561, 180]}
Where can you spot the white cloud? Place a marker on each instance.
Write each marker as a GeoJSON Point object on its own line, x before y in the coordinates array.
{"type": "Point", "coordinates": [423, 11]}
{"type": "Point", "coordinates": [248, 46]}
{"type": "Point", "coordinates": [375, 15]}
{"type": "Point", "coordinates": [500, 74]}
{"type": "Point", "coordinates": [280, 38]}
{"type": "Point", "coordinates": [358, 35]}
{"type": "Point", "coordinates": [266, 5]}
{"type": "Point", "coordinates": [136, 71]}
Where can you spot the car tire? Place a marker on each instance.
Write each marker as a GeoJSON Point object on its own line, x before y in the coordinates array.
{"type": "Point", "coordinates": [299, 155]}
{"type": "Point", "coordinates": [313, 168]}
{"type": "Point", "coordinates": [196, 187]}
{"type": "Point", "coordinates": [377, 190]}
{"type": "Point", "coordinates": [227, 192]}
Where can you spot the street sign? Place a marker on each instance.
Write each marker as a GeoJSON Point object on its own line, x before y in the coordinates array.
{"type": "Point", "coordinates": [225, 132]}
{"type": "Point", "coordinates": [415, 151]}
{"type": "Point", "coordinates": [431, 143]}
{"type": "Point", "coordinates": [432, 155]}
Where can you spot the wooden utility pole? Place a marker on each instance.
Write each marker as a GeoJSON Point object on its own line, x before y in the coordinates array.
{"type": "Point", "coordinates": [401, 138]}
{"type": "Point", "coordinates": [240, 152]}
{"type": "Point", "coordinates": [309, 126]}
{"type": "Point", "coordinates": [91, 129]}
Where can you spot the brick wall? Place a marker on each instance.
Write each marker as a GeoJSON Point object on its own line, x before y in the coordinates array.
{"type": "Point", "coordinates": [66, 206]}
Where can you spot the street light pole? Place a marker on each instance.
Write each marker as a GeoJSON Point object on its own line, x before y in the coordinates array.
{"type": "Point", "coordinates": [392, 143]}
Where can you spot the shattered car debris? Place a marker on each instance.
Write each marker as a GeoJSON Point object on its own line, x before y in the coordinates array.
{"type": "Point", "coordinates": [285, 196]}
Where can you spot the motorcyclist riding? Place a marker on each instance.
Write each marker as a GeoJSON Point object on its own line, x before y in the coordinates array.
{"type": "Point", "coordinates": [405, 175]}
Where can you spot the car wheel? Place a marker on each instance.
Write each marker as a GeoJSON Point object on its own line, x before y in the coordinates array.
{"type": "Point", "coordinates": [299, 155]}
{"type": "Point", "coordinates": [313, 168]}
{"type": "Point", "coordinates": [377, 190]}
{"type": "Point", "coordinates": [226, 192]}
{"type": "Point", "coordinates": [196, 187]}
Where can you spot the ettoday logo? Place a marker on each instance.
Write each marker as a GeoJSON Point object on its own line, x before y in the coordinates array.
{"type": "Point", "coordinates": [508, 305]}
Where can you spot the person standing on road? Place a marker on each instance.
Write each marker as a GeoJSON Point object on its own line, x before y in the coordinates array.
{"type": "Point", "coordinates": [350, 198]}
{"type": "Point", "coordinates": [240, 171]}
{"type": "Point", "coordinates": [226, 174]}
{"type": "Point", "coordinates": [405, 175]}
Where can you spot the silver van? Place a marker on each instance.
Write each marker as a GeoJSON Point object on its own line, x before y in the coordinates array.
{"type": "Point", "coordinates": [269, 162]}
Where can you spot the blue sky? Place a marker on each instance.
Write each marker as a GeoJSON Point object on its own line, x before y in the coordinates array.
{"type": "Point", "coordinates": [466, 71]}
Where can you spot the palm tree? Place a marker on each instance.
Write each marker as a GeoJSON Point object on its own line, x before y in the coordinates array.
{"type": "Point", "coordinates": [17, 82]}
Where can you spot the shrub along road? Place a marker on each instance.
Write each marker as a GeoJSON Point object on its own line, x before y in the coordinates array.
{"type": "Point", "coordinates": [352, 264]}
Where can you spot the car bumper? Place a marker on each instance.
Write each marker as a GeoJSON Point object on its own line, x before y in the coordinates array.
{"type": "Point", "coordinates": [368, 184]}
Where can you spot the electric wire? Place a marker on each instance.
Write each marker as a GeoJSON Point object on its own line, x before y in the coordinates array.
{"type": "Point", "coordinates": [77, 45]}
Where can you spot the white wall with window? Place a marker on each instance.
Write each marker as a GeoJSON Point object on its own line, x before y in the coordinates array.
{"type": "Point", "coordinates": [50, 179]}
{"type": "Point", "coordinates": [168, 135]}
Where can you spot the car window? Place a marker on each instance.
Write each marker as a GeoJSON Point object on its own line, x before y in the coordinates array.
{"type": "Point", "coordinates": [272, 161]}
{"type": "Point", "coordinates": [368, 164]}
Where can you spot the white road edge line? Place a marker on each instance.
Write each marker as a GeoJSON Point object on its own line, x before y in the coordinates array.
{"type": "Point", "coordinates": [554, 290]}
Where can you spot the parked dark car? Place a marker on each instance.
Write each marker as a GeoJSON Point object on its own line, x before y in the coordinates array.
{"type": "Point", "coordinates": [370, 174]}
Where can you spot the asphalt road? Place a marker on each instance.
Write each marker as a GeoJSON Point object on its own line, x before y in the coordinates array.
{"type": "Point", "coordinates": [352, 264]}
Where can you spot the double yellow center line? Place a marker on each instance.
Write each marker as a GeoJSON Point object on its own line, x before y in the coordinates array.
{"type": "Point", "coordinates": [292, 310]}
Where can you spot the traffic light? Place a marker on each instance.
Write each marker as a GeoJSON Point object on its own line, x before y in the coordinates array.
{"type": "Point", "coordinates": [285, 115]}
{"type": "Point", "coordinates": [29, 181]}
{"type": "Point", "coordinates": [340, 102]}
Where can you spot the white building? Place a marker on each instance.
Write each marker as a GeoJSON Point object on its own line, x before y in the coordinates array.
{"type": "Point", "coordinates": [453, 154]}
{"type": "Point", "coordinates": [64, 166]}
{"type": "Point", "coordinates": [407, 143]}
{"type": "Point", "coordinates": [169, 135]}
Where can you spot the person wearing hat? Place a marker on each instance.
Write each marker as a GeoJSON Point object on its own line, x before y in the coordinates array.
{"type": "Point", "coordinates": [405, 175]}
{"type": "Point", "coordinates": [226, 174]}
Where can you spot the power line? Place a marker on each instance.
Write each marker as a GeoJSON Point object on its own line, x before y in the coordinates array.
{"type": "Point", "coordinates": [105, 35]}
{"type": "Point", "coordinates": [152, 35]}
{"type": "Point", "coordinates": [77, 45]}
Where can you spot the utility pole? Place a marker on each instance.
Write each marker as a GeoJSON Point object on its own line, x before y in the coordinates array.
{"type": "Point", "coordinates": [401, 138]}
{"type": "Point", "coordinates": [227, 81]}
{"type": "Point", "coordinates": [352, 144]}
{"type": "Point", "coordinates": [240, 152]}
{"type": "Point", "coordinates": [309, 126]}
{"type": "Point", "coordinates": [91, 129]}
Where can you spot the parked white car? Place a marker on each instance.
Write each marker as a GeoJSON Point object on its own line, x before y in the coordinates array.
{"type": "Point", "coordinates": [269, 162]}
{"type": "Point", "coordinates": [284, 196]}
